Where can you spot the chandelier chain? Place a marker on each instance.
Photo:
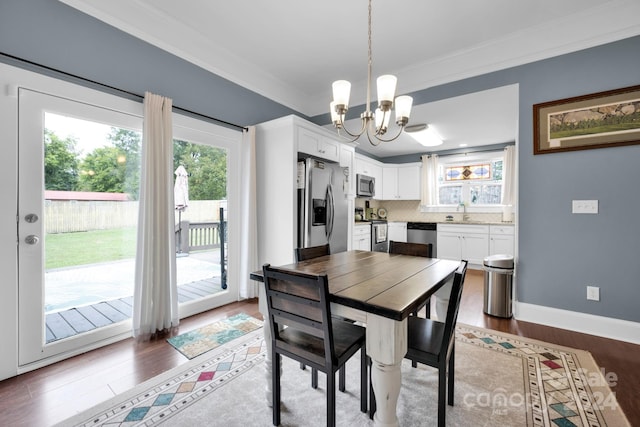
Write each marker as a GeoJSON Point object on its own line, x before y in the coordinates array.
{"type": "Point", "coordinates": [369, 57]}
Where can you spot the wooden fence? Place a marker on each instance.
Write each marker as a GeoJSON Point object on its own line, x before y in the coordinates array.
{"type": "Point", "coordinates": [74, 216]}
{"type": "Point", "coordinates": [70, 216]}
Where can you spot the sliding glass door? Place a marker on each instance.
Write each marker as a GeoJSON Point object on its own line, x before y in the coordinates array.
{"type": "Point", "coordinates": [79, 173]}
{"type": "Point", "coordinates": [205, 157]}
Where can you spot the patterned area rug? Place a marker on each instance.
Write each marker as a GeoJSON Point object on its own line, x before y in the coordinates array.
{"type": "Point", "coordinates": [563, 386]}
{"type": "Point", "coordinates": [501, 380]}
{"type": "Point", "coordinates": [194, 343]}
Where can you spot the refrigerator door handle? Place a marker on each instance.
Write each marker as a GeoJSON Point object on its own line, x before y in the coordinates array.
{"type": "Point", "coordinates": [330, 212]}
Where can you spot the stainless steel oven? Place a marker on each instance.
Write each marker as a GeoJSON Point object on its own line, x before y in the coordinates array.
{"type": "Point", "coordinates": [379, 241]}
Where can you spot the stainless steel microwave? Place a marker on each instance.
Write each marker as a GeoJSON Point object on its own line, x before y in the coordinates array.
{"type": "Point", "coordinates": [365, 186]}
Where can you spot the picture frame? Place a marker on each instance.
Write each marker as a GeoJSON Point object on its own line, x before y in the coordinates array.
{"type": "Point", "coordinates": [597, 120]}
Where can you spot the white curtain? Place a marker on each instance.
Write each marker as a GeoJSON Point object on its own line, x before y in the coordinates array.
{"type": "Point", "coordinates": [248, 222]}
{"type": "Point", "coordinates": [429, 189]}
{"type": "Point", "coordinates": [155, 297]}
{"type": "Point", "coordinates": [509, 192]}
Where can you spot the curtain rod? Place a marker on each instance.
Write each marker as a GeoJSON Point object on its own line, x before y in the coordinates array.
{"type": "Point", "coordinates": [112, 88]}
{"type": "Point", "coordinates": [458, 153]}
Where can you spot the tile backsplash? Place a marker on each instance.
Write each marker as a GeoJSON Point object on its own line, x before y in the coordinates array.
{"type": "Point", "coordinates": [409, 210]}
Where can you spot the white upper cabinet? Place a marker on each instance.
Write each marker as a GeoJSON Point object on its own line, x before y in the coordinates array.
{"type": "Point", "coordinates": [401, 182]}
{"type": "Point", "coordinates": [316, 144]}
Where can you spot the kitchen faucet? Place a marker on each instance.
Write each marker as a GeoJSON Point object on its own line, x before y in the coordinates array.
{"type": "Point", "coordinates": [465, 216]}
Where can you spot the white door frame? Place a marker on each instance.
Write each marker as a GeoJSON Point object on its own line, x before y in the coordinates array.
{"type": "Point", "coordinates": [32, 345]}
{"type": "Point", "coordinates": [12, 79]}
{"type": "Point", "coordinates": [205, 133]}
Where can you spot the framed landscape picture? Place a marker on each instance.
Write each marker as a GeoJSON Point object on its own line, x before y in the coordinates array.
{"type": "Point", "coordinates": [597, 120]}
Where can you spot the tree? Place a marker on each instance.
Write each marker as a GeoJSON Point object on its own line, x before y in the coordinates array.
{"type": "Point", "coordinates": [60, 162]}
{"type": "Point", "coordinates": [103, 170]}
{"type": "Point", "coordinates": [114, 169]}
{"type": "Point", "coordinates": [128, 142]}
{"type": "Point", "coordinates": [207, 168]}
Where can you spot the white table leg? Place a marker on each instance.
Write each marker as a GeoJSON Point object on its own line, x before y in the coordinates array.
{"type": "Point", "coordinates": [387, 346]}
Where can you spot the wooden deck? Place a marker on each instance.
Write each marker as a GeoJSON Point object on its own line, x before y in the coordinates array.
{"type": "Point", "coordinates": [74, 321]}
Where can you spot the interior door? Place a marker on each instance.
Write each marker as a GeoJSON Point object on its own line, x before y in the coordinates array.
{"type": "Point", "coordinates": [67, 270]}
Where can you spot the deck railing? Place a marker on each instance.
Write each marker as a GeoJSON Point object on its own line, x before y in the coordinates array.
{"type": "Point", "coordinates": [197, 236]}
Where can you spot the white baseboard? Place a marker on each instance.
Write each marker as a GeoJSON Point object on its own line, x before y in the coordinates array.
{"type": "Point", "coordinates": [607, 327]}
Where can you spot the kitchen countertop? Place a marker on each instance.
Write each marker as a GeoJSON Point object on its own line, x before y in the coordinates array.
{"type": "Point", "coordinates": [365, 222]}
{"type": "Point", "coordinates": [477, 222]}
{"type": "Point", "coordinates": [459, 222]}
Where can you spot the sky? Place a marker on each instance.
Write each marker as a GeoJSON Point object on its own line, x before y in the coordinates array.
{"type": "Point", "coordinates": [89, 135]}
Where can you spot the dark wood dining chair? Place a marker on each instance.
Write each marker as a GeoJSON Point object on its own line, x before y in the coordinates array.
{"type": "Point", "coordinates": [415, 249]}
{"type": "Point", "coordinates": [433, 343]}
{"type": "Point", "coordinates": [302, 329]}
{"type": "Point", "coordinates": [303, 254]}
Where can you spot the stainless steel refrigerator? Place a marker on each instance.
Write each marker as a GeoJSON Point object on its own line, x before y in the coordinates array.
{"type": "Point", "coordinates": [322, 206]}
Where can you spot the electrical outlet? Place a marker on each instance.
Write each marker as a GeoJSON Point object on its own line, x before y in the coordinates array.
{"type": "Point", "coordinates": [584, 206]}
{"type": "Point", "coordinates": [593, 293]}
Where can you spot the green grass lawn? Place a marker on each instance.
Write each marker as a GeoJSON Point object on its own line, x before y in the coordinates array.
{"type": "Point", "coordinates": [89, 247]}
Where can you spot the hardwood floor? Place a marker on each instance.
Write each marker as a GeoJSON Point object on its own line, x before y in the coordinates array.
{"type": "Point", "coordinates": [51, 394]}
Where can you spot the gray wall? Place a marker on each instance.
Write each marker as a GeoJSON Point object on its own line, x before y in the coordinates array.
{"type": "Point", "coordinates": [560, 253]}
{"type": "Point", "coordinates": [55, 35]}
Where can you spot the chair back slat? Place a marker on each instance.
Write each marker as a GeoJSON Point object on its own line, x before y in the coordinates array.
{"type": "Point", "coordinates": [303, 254]}
{"type": "Point", "coordinates": [415, 249]}
{"type": "Point", "coordinates": [453, 307]}
{"type": "Point", "coordinates": [299, 301]}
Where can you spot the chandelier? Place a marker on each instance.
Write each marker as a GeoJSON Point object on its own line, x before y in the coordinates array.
{"type": "Point", "coordinates": [375, 125]}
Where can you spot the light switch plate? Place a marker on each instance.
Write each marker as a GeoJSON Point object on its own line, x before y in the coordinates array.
{"type": "Point", "coordinates": [584, 207]}
{"type": "Point", "coordinates": [593, 293]}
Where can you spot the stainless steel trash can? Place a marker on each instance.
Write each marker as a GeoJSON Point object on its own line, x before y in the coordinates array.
{"type": "Point", "coordinates": [498, 285]}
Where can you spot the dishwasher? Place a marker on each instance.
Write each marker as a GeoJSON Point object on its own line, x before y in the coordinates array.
{"type": "Point", "coordinates": [423, 232]}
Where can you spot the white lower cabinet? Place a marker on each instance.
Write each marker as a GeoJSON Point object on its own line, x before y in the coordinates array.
{"type": "Point", "coordinates": [397, 231]}
{"type": "Point", "coordinates": [362, 237]}
{"type": "Point", "coordinates": [501, 240]}
{"type": "Point", "coordinates": [458, 242]}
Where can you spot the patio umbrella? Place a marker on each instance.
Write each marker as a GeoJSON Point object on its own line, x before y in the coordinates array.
{"type": "Point", "coordinates": [181, 198]}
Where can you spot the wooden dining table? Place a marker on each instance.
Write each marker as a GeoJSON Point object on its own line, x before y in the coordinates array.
{"type": "Point", "coordinates": [380, 290]}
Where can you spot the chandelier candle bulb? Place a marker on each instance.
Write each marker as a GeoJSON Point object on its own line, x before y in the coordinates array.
{"type": "Point", "coordinates": [341, 93]}
{"type": "Point", "coordinates": [386, 91]}
{"type": "Point", "coordinates": [382, 120]}
{"type": "Point", "coordinates": [403, 109]}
